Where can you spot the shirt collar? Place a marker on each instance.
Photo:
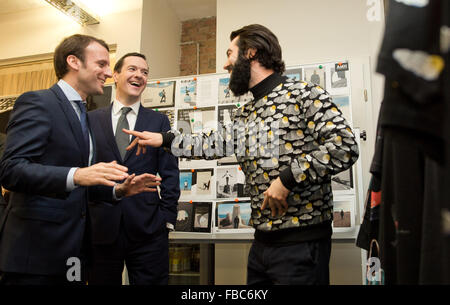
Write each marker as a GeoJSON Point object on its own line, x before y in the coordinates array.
{"type": "Point", "coordinates": [69, 92]}
{"type": "Point", "coordinates": [117, 107]}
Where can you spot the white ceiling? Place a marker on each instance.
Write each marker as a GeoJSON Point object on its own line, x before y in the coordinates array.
{"type": "Point", "coordinates": [184, 9]}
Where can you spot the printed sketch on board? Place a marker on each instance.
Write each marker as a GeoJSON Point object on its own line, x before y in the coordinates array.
{"type": "Point", "coordinates": [188, 93]}
{"type": "Point", "coordinates": [159, 94]}
{"type": "Point", "coordinates": [225, 94]}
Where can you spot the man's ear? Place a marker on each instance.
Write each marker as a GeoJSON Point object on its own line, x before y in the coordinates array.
{"type": "Point", "coordinates": [73, 62]}
{"type": "Point", "coordinates": [115, 77]}
{"type": "Point", "coordinates": [251, 52]}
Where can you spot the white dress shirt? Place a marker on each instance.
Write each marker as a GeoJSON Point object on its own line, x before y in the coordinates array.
{"type": "Point", "coordinates": [116, 112]}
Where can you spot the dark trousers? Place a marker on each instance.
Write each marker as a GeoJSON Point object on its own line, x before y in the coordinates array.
{"type": "Point", "coordinates": [147, 261]}
{"type": "Point", "coordinates": [305, 263]}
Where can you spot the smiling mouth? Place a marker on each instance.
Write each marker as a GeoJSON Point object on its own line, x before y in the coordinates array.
{"type": "Point", "coordinates": [135, 84]}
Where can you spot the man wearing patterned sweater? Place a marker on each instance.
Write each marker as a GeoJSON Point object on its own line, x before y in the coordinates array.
{"type": "Point", "coordinates": [289, 141]}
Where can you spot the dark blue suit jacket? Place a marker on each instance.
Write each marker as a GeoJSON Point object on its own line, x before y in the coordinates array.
{"type": "Point", "coordinates": [142, 214]}
{"type": "Point", "coordinates": [43, 224]}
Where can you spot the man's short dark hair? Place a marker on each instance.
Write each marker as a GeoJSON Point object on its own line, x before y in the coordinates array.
{"type": "Point", "coordinates": [268, 49]}
{"type": "Point", "coordinates": [119, 63]}
{"type": "Point", "coordinates": [72, 45]}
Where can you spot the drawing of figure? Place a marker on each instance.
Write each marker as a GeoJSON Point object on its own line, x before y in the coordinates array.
{"type": "Point", "coordinates": [226, 188]}
{"type": "Point", "coordinates": [205, 186]}
{"type": "Point", "coordinates": [342, 214]}
{"type": "Point", "coordinates": [227, 92]}
{"type": "Point", "coordinates": [186, 185]}
{"type": "Point", "coordinates": [162, 94]}
{"type": "Point", "coordinates": [315, 78]}
{"type": "Point", "coordinates": [187, 97]}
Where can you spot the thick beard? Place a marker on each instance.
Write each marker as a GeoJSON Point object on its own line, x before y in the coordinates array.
{"type": "Point", "coordinates": [240, 76]}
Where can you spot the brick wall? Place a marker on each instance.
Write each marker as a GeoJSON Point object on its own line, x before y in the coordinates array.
{"type": "Point", "coordinates": [202, 31]}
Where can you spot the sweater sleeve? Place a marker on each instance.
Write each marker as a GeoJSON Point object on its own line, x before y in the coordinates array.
{"type": "Point", "coordinates": [330, 145]}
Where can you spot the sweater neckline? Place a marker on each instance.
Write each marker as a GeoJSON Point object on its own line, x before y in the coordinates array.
{"type": "Point", "coordinates": [265, 86]}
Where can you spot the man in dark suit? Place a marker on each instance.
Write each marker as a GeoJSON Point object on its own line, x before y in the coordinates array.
{"type": "Point", "coordinates": [135, 231]}
{"type": "Point", "coordinates": [45, 165]}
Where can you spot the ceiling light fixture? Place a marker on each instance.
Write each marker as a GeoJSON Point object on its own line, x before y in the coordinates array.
{"type": "Point", "coordinates": [75, 11]}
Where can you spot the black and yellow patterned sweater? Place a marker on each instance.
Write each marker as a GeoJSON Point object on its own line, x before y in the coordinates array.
{"type": "Point", "coordinates": [292, 130]}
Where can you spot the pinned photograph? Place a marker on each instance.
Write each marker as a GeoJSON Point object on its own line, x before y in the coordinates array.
{"type": "Point", "coordinates": [225, 114]}
{"type": "Point", "coordinates": [202, 216]}
{"type": "Point", "coordinates": [159, 94]}
{"type": "Point", "coordinates": [184, 217]}
{"type": "Point", "coordinates": [294, 74]}
{"type": "Point", "coordinates": [233, 215]}
{"type": "Point", "coordinates": [339, 79]}
{"type": "Point", "coordinates": [185, 183]}
{"type": "Point", "coordinates": [343, 213]}
{"type": "Point", "coordinates": [316, 76]}
{"type": "Point", "coordinates": [202, 184]}
{"type": "Point", "coordinates": [230, 182]}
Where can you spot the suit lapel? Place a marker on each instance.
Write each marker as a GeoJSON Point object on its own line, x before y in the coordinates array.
{"type": "Point", "coordinates": [73, 120]}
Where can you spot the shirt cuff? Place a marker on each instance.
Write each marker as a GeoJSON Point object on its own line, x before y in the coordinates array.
{"type": "Point", "coordinates": [70, 184]}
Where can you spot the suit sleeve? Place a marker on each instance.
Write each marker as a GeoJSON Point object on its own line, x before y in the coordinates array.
{"type": "Point", "coordinates": [170, 184]}
{"type": "Point", "coordinates": [28, 134]}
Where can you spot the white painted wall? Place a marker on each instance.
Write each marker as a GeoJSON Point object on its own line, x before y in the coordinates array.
{"type": "Point", "coordinates": [161, 36]}
{"type": "Point", "coordinates": [39, 31]}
